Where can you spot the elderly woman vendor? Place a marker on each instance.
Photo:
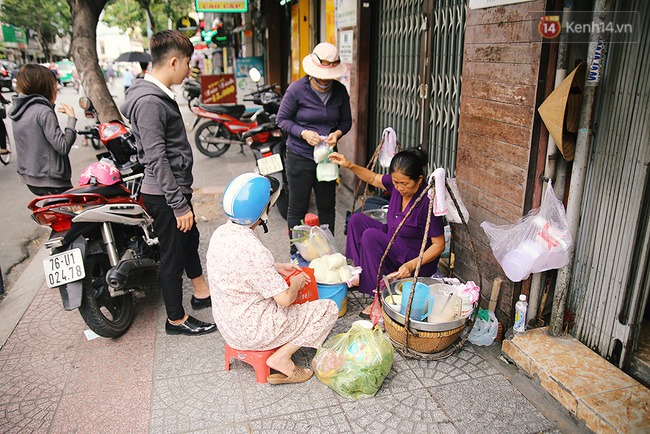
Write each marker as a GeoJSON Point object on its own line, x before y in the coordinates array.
{"type": "Point", "coordinates": [251, 302]}
{"type": "Point", "coordinates": [368, 239]}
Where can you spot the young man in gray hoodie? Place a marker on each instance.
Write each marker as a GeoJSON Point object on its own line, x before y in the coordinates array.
{"type": "Point", "coordinates": [165, 152]}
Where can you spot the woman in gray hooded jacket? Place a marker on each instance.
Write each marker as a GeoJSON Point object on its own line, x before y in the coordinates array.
{"type": "Point", "coordinates": [41, 147]}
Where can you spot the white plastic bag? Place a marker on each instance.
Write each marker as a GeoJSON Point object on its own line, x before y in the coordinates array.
{"type": "Point", "coordinates": [452, 213]}
{"type": "Point", "coordinates": [321, 151]}
{"type": "Point", "coordinates": [388, 147]}
{"type": "Point", "coordinates": [537, 242]}
{"type": "Point", "coordinates": [484, 332]}
{"type": "Point", "coordinates": [313, 241]}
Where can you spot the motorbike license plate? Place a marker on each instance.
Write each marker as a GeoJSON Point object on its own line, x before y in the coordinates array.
{"type": "Point", "coordinates": [64, 268]}
{"type": "Point", "coordinates": [270, 164]}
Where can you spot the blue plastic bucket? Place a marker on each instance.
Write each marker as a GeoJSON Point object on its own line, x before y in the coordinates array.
{"type": "Point", "coordinates": [333, 292]}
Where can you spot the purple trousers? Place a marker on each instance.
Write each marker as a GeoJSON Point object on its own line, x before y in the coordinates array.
{"type": "Point", "coordinates": [366, 243]}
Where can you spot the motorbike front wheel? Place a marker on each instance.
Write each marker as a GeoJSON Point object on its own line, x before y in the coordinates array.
{"type": "Point", "coordinates": [95, 142]}
{"type": "Point", "coordinates": [209, 139]}
{"type": "Point", "coordinates": [107, 316]}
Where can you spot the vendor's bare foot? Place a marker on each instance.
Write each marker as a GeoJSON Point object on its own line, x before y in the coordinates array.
{"type": "Point", "coordinates": [367, 310]}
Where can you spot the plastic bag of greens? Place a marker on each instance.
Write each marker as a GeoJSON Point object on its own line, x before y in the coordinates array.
{"type": "Point", "coordinates": [355, 364]}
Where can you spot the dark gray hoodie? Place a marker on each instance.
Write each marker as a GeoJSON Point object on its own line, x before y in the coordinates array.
{"type": "Point", "coordinates": [41, 147]}
{"type": "Point", "coordinates": [162, 144]}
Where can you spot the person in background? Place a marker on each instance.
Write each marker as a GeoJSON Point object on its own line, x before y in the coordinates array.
{"type": "Point", "coordinates": [252, 303]}
{"type": "Point", "coordinates": [127, 78]}
{"type": "Point", "coordinates": [42, 148]}
{"type": "Point", "coordinates": [3, 129]}
{"type": "Point", "coordinates": [313, 106]}
{"type": "Point", "coordinates": [367, 239]}
{"type": "Point", "coordinates": [110, 74]}
{"type": "Point", "coordinates": [166, 154]}
{"type": "Point", "coordinates": [143, 70]}
{"type": "Point", "coordinates": [195, 71]}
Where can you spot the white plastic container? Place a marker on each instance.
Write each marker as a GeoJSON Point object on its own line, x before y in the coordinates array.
{"type": "Point", "coordinates": [521, 308]}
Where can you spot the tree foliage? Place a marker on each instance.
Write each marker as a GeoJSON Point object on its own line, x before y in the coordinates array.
{"type": "Point", "coordinates": [48, 18]}
{"type": "Point", "coordinates": [132, 14]}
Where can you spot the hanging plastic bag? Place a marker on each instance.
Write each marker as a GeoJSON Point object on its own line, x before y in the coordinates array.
{"type": "Point", "coordinates": [537, 242]}
{"type": "Point", "coordinates": [452, 213]}
{"type": "Point", "coordinates": [388, 147]}
{"type": "Point", "coordinates": [485, 328]}
{"type": "Point", "coordinates": [313, 241]}
{"type": "Point", "coordinates": [355, 364]}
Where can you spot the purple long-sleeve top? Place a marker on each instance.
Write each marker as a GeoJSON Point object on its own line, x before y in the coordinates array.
{"type": "Point", "coordinates": [302, 109]}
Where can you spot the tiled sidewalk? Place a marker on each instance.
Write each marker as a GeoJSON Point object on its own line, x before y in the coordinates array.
{"type": "Point", "coordinates": [55, 380]}
{"type": "Point", "coordinates": [590, 387]}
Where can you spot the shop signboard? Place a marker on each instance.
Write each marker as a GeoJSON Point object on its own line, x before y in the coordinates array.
{"type": "Point", "coordinates": [218, 89]}
{"type": "Point", "coordinates": [187, 26]}
{"type": "Point", "coordinates": [14, 37]}
{"type": "Point", "coordinates": [223, 6]}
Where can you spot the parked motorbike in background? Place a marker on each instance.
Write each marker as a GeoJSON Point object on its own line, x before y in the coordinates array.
{"type": "Point", "coordinates": [192, 92]}
{"type": "Point", "coordinates": [226, 122]}
{"type": "Point", "coordinates": [89, 133]}
{"type": "Point", "coordinates": [102, 243]}
{"type": "Point", "coordinates": [268, 144]}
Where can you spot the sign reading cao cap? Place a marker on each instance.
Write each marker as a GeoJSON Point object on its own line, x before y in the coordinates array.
{"type": "Point", "coordinates": [222, 5]}
{"type": "Point", "coordinates": [187, 26]}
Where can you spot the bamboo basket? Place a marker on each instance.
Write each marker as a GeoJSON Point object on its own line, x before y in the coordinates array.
{"type": "Point", "coordinates": [425, 342]}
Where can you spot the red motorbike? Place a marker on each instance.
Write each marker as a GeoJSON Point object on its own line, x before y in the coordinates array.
{"type": "Point", "coordinates": [102, 243]}
{"type": "Point", "coordinates": [226, 122]}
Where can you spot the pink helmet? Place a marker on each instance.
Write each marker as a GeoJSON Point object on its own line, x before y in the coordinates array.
{"type": "Point", "coordinates": [100, 173]}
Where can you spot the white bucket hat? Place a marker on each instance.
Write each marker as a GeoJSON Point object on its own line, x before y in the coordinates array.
{"type": "Point", "coordinates": [324, 52]}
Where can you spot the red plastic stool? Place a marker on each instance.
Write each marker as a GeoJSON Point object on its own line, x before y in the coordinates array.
{"type": "Point", "coordinates": [257, 359]}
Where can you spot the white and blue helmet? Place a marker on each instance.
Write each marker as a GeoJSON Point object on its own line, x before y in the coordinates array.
{"type": "Point", "coordinates": [249, 197]}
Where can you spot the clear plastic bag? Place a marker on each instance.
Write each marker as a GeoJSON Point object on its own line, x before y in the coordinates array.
{"type": "Point", "coordinates": [355, 364]}
{"type": "Point", "coordinates": [452, 213]}
{"type": "Point", "coordinates": [321, 151]}
{"type": "Point", "coordinates": [537, 242]}
{"type": "Point", "coordinates": [326, 171]}
{"type": "Point", "coordinates": [313, 241]}
{"type": "Point", "coordinates": [485, 330]}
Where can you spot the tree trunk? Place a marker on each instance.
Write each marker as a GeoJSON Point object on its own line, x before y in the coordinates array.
{"type": "Point", "coordinates": [85, 15]}
{"type": "Point", "coordinates": [45, 46]}
{"type": "Point", "coordinates": [152, 21]}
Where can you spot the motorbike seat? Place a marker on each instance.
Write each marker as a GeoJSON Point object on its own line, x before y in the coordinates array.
{"type": "Point", "coordinates": [115, 190]}
{"type": "Point", "coordinates": [233, 110]}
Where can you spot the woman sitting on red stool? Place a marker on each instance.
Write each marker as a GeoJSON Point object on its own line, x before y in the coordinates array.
{"type": "Point", "coordinates": [251, 303]}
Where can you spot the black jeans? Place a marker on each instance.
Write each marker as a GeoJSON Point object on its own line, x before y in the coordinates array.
{"type": "Point", "coordinates": [301, 176]}
{"type": "Point", "coordinates": [178, 252]}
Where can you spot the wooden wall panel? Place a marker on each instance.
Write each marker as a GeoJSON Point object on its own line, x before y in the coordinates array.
{"type": "Point", "coordinates": [500, 76]}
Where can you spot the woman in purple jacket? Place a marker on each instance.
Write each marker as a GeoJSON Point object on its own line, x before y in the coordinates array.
{"type": "Point", "coordinates": [313, 106]}
{"type": "Point", "coordinates": [368, 239]}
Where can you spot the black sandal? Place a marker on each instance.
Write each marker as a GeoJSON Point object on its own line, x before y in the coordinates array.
{"type": "Point", "coordinates": [364, 315]}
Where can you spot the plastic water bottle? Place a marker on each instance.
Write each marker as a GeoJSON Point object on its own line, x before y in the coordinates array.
{"type": "Point", "coordinates": [521, 307]}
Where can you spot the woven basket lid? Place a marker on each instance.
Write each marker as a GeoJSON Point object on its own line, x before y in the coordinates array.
{"type": "Point", "coordinates": [560, 112]}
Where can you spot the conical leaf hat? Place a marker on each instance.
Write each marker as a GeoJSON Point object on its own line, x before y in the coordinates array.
{"type": "Point", "coordinates": [560, 112]}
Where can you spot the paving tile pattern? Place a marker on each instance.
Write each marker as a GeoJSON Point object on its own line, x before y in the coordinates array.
{"type": "Point", "coordinates": [55, 380]}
